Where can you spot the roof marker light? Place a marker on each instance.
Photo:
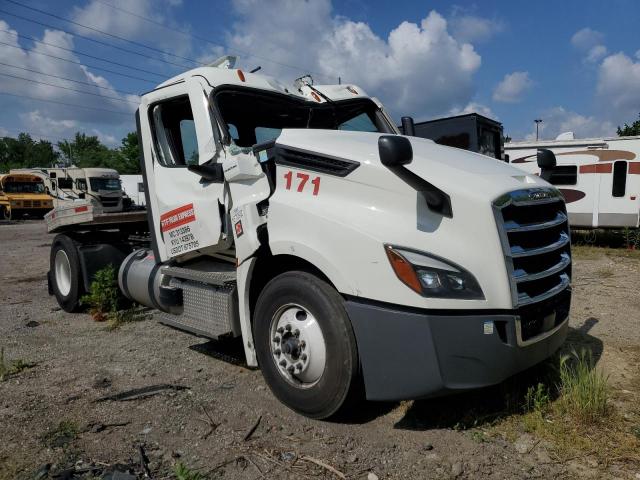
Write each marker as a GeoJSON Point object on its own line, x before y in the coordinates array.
{"type": "Point", "coordinates": [316, 96]}
{"type": "Point", "coordinates": [241, 75]}
{"type": "Point", "coordinates": [352, 90]}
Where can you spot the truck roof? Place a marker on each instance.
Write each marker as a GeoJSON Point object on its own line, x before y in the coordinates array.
{"type": "Point", "coordinates": [217, 76]}
{"type": "Point", "coordinates": [578, 142]}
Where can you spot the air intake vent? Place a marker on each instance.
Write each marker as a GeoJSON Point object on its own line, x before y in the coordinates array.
{"type": "Point", "coordinates": [315, 162]}
{"type": "Point", "coordinates": [535, 238]}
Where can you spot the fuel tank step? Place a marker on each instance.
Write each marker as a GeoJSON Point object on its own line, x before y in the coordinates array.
{"type": "Point", "coordinates": [209, 310]}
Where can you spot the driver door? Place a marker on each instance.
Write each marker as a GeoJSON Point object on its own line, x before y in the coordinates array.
{"type": "Point", "coordinates": [186, 209]}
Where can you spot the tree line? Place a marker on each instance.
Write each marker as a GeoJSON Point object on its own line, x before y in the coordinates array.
{"type": "Point", "coordinates": [82, 151]}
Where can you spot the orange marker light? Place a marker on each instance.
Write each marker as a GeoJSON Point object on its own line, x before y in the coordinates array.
{"type": "Point", "coordinates": [241, 75]}
{"type": "Point", "coordinates": [404, 270]}
{"type": "Point", "coordinates": [315, 95]}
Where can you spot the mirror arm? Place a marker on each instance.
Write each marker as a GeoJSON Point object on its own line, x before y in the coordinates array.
{"type": "Point", "coordinates": [210, 172]}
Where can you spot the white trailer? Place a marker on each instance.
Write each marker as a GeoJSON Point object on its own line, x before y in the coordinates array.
{"type": "Point", "coordinates": [133, 187]}
{"type": "Point", "coordinates": [599, 177]}
{"type": "Point", "coordinates": [299, 219]}
{"type": "Point", "coordinates": [100, 186]}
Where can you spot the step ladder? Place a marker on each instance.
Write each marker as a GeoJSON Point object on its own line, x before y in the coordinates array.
{"type": "Point", "coordinates": [209, 298]}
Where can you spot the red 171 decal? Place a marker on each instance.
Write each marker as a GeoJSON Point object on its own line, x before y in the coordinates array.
{"type": "Point", "coordinates": [302, 178]}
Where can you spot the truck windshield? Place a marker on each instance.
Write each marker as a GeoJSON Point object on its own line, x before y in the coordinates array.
{"type": "Point", "coordinates": [23, 187]}
{"type": "Point", "coordinates": [104, 183]}
{"type": "Point", "coordinates": [256, 117]}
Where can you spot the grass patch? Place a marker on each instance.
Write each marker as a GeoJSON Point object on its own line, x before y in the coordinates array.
{"type": "Point", "coordinates": [182, 472]}
{"type": "Point", "coordinates": [584, 390]}
{"type": "Point", "coordinates": [105, 301]}
{"type": "Point", "coordinates": [7, 369]}
{"type": "Point", "coordinates": [64, 433]}
{"type": "Point", "coordinates": [571, 411]}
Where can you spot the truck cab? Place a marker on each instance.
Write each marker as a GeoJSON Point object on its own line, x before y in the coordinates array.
{"type": "Point", "coordinates": [341, 252]}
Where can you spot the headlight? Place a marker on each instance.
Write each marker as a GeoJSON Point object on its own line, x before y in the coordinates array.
{"type": "Point", "coordinates": [431, 276]}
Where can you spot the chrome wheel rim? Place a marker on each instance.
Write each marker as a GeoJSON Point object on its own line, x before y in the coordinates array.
{"type": "Point", "coordinates": [62, 269]}
{"type": "Point", "coordinates": [297, 344]}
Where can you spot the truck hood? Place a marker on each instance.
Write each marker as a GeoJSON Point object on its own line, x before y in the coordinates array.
{"type": "Point", "coordinates": [453, 170]}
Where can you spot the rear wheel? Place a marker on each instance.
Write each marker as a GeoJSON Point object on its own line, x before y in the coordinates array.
{"type": "Point", "coordinates": [305, 344]}
{"type": "Point", "coordinates": [65, 273]}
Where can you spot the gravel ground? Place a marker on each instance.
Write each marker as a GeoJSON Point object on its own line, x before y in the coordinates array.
{"type": "Point", "coordinates": [52, 417]}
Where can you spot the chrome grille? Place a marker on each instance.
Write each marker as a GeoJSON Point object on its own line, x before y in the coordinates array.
{"type": "Point", "coordinates": [535, 237]}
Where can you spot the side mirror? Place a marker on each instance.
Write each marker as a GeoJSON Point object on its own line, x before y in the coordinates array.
{"type": "Point", "coordinates": [394, 150]}
{"type": "Point", "coordinates": [408, 127]}
{"type": "Point", "coordinates": [210, 172]}
{"type": "Point", "coordinates": [546, 162]}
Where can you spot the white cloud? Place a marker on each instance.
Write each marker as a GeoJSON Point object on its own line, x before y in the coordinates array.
{"type": "Point", "coordinates": [512, 87]}
{"type": "Point", "coordinates": [474, 107]}
{"type": "Point", "coordinates": [617, 91]}
{"type": "Point", "coordinates": [35, 120]}
{"type": "Point", "coordinates": [419, 69]}
{"type": "Point", "coordinates": [4, 132]}
{"type": "Point", "coordinates": [120, 21]}
{"type": "Point", "coordinates": [558, 120]}
{"type": "Point", "coordinates": [472, 28]}
{"type": "Point", "coordinates": [590, 43]}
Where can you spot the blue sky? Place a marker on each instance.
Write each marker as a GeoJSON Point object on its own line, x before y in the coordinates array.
{"type": "Point", "coordinates": [574, 64]}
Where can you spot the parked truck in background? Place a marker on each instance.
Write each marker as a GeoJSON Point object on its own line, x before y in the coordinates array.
{"type": "Point", "coordinates": [133, 188]}
{"type": "Point", "coordinates": [341, 252]}
{"type": "Point", "coordinates": [599, 177]}
{"type": "Point", "coordinates": [25, 194]}
{"type": "Point", "coordinates": [99, 186]}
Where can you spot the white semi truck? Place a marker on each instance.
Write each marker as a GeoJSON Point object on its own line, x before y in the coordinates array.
{"type": "Point", "coordinates": [344, 254]}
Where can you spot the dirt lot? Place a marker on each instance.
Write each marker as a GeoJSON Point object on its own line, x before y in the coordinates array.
{"type": "Point", "coordinates": [52, 418]}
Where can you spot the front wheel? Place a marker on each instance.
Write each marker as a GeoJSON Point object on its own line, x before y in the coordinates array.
{"type": "Point", "coordinates": [305, 344]}
{"type": "Point", "coordinates": [5, 212]}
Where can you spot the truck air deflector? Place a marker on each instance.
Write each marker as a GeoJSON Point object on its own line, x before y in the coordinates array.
{"type": "Point", "coordinates": [329, 165]}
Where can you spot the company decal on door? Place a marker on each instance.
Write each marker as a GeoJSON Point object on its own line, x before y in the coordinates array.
{"type": "Point", "coordinates": [175, 226]}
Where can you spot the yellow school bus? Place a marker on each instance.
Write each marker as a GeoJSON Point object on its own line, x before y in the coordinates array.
{"type": "Point", "coordinates": [26, 195]}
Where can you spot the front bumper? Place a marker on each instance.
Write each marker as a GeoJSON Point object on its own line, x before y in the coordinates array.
{"type": "Point", "coordinates": [409, 354]}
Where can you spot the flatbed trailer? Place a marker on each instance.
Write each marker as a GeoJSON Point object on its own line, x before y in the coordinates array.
{"type": "Point", "coordinates": [82, 216]}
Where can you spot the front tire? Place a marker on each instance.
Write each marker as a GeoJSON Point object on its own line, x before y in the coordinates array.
{"type": "Point", "coordinates": [5, 213]}
{"type": "Point", "coordinates": [66, 274]}
{"type": "Point", "coordinates": [305, 344]}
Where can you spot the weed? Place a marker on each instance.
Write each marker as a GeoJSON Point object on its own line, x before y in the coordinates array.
{"type": "Point", "coordinates": [65, 432]}
{"type": "Point", "coordinates": [182, 472]}
{"type": "Point", "coordinates": [537, 398]}
{"type": "Point", "coordinates": [104, 300]}
{"type": "Point", "coordinates": [103, 294]}
{"type": "Point", "coordinates": [584, 390]}
{"type": "Point", "coordinates": [636, 432]}
{"type": "Point", "coordinates": [8, 369]}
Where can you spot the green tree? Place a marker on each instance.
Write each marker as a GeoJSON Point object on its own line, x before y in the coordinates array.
{"type": "Point", "coordinates": [128, 161]}
{"type": "Point", "coordinates": [24, 152]}
{"type": "Point", "coordinates": [630, 130]}
{"type": "Point", "coordinates": [86, 151]}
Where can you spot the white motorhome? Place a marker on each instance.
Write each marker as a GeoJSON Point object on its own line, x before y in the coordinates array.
{"type": "Point", "coordinates": [100, 186]}
{"type": "Point", "coordinates": [133, 187]}
{"type": "Point", "coordinates": [599, 177]}
{"type": "Point", "coordinates": [341, 252]}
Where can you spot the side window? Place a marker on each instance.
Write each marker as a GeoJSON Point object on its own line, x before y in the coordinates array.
{"type": "Point", "coordinates": [564, 175]}
{"type": "Point", "coordinates": [140, 187]}
{"type": "Point", "coordinates": [174, 133]}
{"type": "Point", "coordinates": [266, 134]}
{"type": "Point", "coordinates": [619, 179]}
{"type": "Point", "coordinates": [81, 184]}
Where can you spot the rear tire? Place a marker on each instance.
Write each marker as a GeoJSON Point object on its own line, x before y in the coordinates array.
{"type": "Point", "coordinates": [305, 344]}
{"type": "Point", "coordinates": [66, 275]}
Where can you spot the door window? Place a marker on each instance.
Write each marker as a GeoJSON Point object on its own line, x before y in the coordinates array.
{"type": "Point", "coordinates": [174, 133]}
{"type": "Point", "coordinates": [619, 179]}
